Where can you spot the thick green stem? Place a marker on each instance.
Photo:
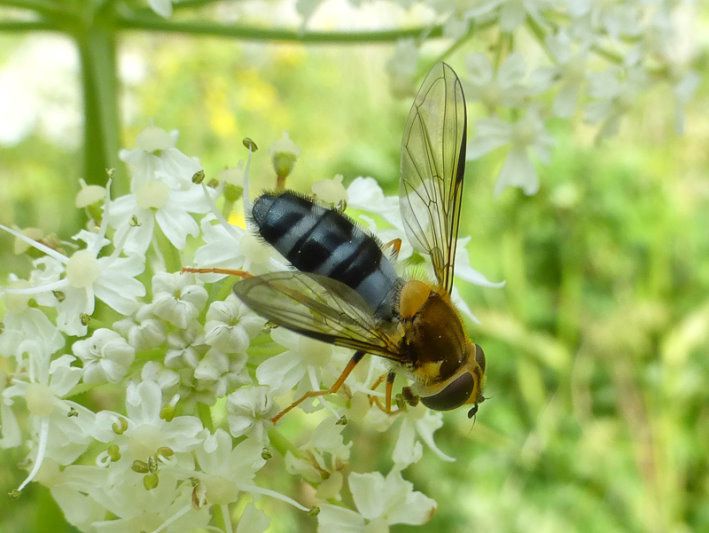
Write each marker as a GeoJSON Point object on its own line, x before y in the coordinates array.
{"type": "Point", "coordinates": [97, 52]}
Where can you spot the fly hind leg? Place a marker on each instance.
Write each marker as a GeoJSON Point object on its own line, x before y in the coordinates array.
{"type": "Point", "coordinates": [356, 358]}
{"type": "Point", "coordinates": [216, 270]}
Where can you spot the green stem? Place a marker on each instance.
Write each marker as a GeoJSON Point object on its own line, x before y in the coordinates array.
{"type": "Point", "coordinates": [192, 4]}
{"type": "Point", "coordinates": [97, 52]}
{"type": "Point", "coordinates": [22, 25]}
{"type": "Point", "coordinates": [473, 30]}
{"type": "Point", "coordinates": [205, 415]}
{"type": "Point", "coordinates": [540, 35]}
{"type": "Point", "coordinates": [266, 34]}
{"type": "Point", "coordinates": [282, 444]}
{"type": "Point", "coordinates": [39, 6]}
{"type": "Point", "coordinates": [611, 56]}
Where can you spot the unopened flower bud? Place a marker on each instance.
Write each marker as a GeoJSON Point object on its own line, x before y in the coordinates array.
{"type": "Point", "coordinates": [89, 194]}
{"type": "Point", "coordinates": [284, 154]}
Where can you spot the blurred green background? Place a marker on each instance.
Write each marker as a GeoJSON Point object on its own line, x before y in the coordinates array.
{"type": "Point", "coordinates": [598, 417]}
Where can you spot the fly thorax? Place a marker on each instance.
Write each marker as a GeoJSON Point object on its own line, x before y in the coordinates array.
{"type": "Point", "coordinates": [435, 339]}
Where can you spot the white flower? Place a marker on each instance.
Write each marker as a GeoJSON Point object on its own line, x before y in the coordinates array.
{"type": "Point", "coordinates": [504, 87]}
{"type": "Point", "coordinates": [23, 322]}
{"type": "Point", "coordinates": [145, 430]}
{"type": "Point", "coordinates": [218, 373]}
{"type": "Point", "coordinates": [134, 508]}
{"type": "Point", "coordinates": [330, 191]}
{"type": "Point", "coordinates": [304, 358]}
{"type": "Point", "coordinates": [525, 137]}
{"type": "Point", "coordinates": [424, 422]}
{"type": "Point", "coordinates": [366, 194]}
{"type": "Point", "coordinates": [154, 154]}
{"type": "Point", "coordinates": [226, 471]}
{"type": "Point", "coordinates": [613, 93]}
{"type": "Point", "coordinates": [325, 452]}
{"type": "Point", "coordinates": [89, 194]}
{"type": "Point", "coordinates": [161, 7]}
{"type": "Point", "coordinates": [401, 67]}
{"type": "Point", "coordinates": [380, 502]}
{"type": "Point", "coordinates": [249, 412]}
{"type": "Point", "coordinates": [142, 331]}
{"type": "Point", "coordinates": [106, 356]}
{"type": "Point", "coordinates": [60, 437]}
{"type": "Point", "coordinates": [72, 487]}
{"type": "Point", "coordinates": [157, 199]}
{"type": "Point", "coordinates": [177, 299]}
{"type": "Point", "coordinates": [230, 325]}
{"type": "Point", "coordinates": [86, 277]}
{"type": "Point", "coordinates": [512, 13]}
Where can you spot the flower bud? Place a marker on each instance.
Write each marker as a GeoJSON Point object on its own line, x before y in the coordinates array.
{"type": "Point", "coordinates": [284, 154]}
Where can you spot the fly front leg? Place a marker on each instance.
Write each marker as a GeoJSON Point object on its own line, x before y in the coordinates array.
{"type": "Point", "coordinates": [373, 400]}
{"type": "Point", "coordinates": [356, 358]}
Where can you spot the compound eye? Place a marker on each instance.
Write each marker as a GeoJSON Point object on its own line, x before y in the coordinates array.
{"type": "Point", "coordinates": [480, 357]}
{"type": "Point", "coordinates": [456, 393]}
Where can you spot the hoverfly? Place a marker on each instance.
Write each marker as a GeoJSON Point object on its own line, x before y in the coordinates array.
{"type": "Point", "coordinates": [346, 291]}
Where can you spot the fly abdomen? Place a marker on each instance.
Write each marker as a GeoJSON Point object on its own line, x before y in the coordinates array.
{"type": "Point", "coordinates": [322, 241]}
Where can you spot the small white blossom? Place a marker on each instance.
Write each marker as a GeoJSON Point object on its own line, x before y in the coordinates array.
{"type": "Point", "coordinates": [176, 298]}
{"type": "Point", "coordinates": [401, 67]}
{"type": "Point", "coordinates": [86, 277]}
{"type": "Point", "coordinates": [161, 7]}
{"type": "Point", "coordinates": [511, 13]}
{"type": "Point", "coordinates": [218, 373]}
{"type": "Point", "coordinates": [142, 331]}
{"type": "Point", "coordinates": [106, 356]}
{"type": "Point", "coordinates": [89, 194]}
{"type": "Point", "coordinates": [159, 200]}
{"type": "Point", "coordinates": [524, 137]}
{"type": "Point", "coordinates": [381, 502]}
{"type": "Point", "coordinates": [146, 431]}
{"type": "Point", "coordinates": [330, 191]}
{"type": "Point", "coordinates": [60, 437]}
{"type": "Point", "coordinates": [304, 358]}
{"type": "Point", "coordinates": [504, 87]}
{"type": "Point", "coordinates": [154, 154]}
{"type": "Point", "coordinates": [424, 423]}
{"type": "Point", "coordinates": [230, 325]}
{"type": "Point", "coordinates": [249, 412]}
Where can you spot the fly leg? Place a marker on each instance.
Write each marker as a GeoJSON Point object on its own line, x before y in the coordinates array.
{"type": "Point", "coordinates": [395, 245]}
{"type": "Point", "coordinates": [216, 270]}
{"type": "Point", "coordinates": [356, 358]}
{"type": "Point", "coordinates": [390, 376]}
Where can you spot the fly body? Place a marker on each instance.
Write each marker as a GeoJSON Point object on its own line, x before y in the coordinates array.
{"type": "Point", "coordinates": [344, 289]}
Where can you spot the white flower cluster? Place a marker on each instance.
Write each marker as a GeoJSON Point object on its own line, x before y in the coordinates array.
{"type": "Point", "coordinates": [540, 60]}
{"type": "Point", "coordinates": [531, 62]}
{"type": "Point", "coordinates": [144, 395]}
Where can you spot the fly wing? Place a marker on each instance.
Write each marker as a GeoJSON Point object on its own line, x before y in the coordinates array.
{"type": "Point", "coordinates": [432, 168]}
{"type": "Point", "coordinates": [319, 307]}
